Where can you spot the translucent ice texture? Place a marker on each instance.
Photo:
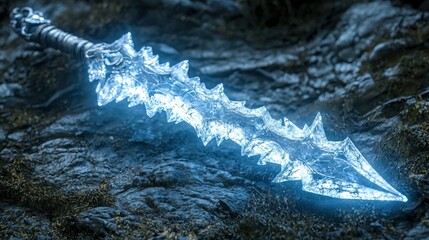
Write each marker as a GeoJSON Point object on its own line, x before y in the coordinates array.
{"type": "Point", "coordinates": [335, 169]}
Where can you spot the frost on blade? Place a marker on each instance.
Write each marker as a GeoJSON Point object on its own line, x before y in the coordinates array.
{"type": "Point", "coordinates": [335, 169]}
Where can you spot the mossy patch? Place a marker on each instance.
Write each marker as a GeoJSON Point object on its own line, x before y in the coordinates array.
{"type": "Point", "coordinates": [18, 185]}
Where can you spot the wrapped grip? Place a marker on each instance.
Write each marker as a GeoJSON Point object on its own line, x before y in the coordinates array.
{"type": "Point", "coordinates": [32, 26]}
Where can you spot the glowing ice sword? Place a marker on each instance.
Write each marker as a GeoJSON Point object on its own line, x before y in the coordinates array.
{"type": "Point", "coordinates": [334, 169]}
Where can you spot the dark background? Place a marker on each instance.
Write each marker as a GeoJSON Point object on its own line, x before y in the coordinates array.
{"type": "Point", "coordinates": [70, 169]}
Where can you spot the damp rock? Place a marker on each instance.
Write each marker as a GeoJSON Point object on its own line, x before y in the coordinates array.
{"type": "Point", "coordinates": [71, 169]}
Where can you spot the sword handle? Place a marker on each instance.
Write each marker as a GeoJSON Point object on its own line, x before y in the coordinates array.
{"type": "Point", "coordinates": [33, 27]}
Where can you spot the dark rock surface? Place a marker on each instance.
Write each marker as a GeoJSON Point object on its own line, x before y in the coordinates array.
{"type": "Point", "coordinates": [70, 169]}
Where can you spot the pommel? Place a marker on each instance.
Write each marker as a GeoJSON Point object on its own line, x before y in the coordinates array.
{"type": "Point", "coordinates": [24, 21]}
{"type": "Point", "coordinates": [33, 27]}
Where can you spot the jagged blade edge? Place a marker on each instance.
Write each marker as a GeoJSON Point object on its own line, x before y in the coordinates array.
{"type": "Point", "coordinates": [206, 130]}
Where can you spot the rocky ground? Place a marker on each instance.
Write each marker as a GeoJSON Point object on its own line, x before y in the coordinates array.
{"type": "Point", "coordinates": [70, 169]}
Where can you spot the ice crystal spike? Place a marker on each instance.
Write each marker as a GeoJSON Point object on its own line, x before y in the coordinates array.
{"type": "Point", "coordinates": [334, 169]}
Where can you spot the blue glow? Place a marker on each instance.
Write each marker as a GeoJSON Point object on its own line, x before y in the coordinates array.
{"type": "Point", "coordinates": [333, 169]}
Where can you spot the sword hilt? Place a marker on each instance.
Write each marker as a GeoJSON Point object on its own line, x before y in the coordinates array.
{"type": "Point", "coordinates": [32, 26]}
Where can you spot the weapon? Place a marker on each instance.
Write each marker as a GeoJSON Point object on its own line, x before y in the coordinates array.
{"type": "Point", "coordinates": [334, 169]}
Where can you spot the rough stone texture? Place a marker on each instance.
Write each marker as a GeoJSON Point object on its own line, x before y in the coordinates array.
{"type": "Point", "coordinates": [70, 169]}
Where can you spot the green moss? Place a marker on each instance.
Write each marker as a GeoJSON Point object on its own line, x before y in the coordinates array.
{"type": "Point", "coordinates": [19, 186]}
{"type": "Point", "coordinates": [272, 216]}
{"type": "Point", "coordinates": [409, 145]}
{"type": "Point", "coordinates": [417, 112]}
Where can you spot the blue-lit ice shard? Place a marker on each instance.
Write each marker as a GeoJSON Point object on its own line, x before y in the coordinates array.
{"type": "Point", "coordinates": [334, 169]}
